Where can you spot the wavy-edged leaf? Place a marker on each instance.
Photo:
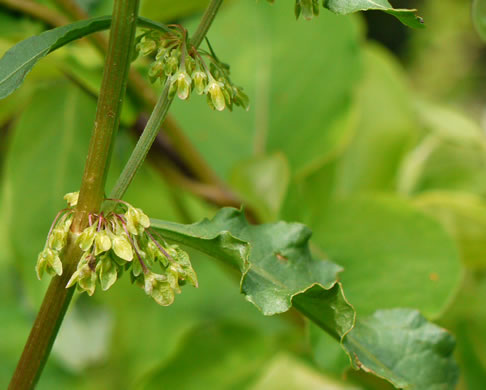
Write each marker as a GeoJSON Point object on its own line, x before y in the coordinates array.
{"type": "Point", "coordinates": [400, 345]}
{"type": "Point", "coordinates": [21, 58]}
{"type": "Point", "coordinates": [276, 264]}
{"type": "Point", "coordinates": [406, 16]}
{"type": "Point", "coordinates": [278, 271]}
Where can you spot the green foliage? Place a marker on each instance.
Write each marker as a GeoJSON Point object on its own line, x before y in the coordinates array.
{"type": "Point", "coordinates": [20, 59]}
{"type": "Point", "coordinates": [391, 184]}
{"type": "Point", "coordinates": [278, 272]}
{"type": "Point", "coordinates": [401, 346]}
{"type": "Point", "coordinates": [344, 7]}
{"type": "Point", "coordinates": [479, 17]}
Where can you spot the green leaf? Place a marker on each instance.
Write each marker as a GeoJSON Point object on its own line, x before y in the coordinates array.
{"type": "Point", "coordinates": [278, 271]}
{"type": "Point", "coordinates": [451, 156]}
{"type": "Point", "coordinates": [231, 356]}
{"type": "Point", "coordinates": [283, 113]}
{"type": "Point", "coordinates": [393, 254]}
{"type": "Point", "coordinates": [479, 17]}
{"type": "Point", "coordinates": [463, 215]}
{"type": "Point", "coordinates": [402, 347]}
{"type": "Point", "coordinates": [406, 16]}
{"type": "Point", "coordinates": [262, 182]}
{"type": "Point", "coordinates": [20, 59]}
{"type": "Point", "coordinates": [385, 131]}
{"type": "Point", "coordinates": [289, 373]}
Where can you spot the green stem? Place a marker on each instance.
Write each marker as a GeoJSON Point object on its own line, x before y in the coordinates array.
{"type": "Point", "coordinates": [144, 143]}
{"type": "Point", "coordinates": [206, 22]}
{"type": "Point", "coordinates": [159, 113]}
{"type": "Point", "coordinates": [57, 298]}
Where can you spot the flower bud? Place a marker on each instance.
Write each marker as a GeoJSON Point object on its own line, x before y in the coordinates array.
{"type": "Point", "coordinates": [214, 88]}
{"type": "Point", "coordinates": [200, 79]}
{"type": "Point", "coordinates": [86, 238]}
{"type": "Point", "coordinates": [307, 9]}
{"type": "Point", "coordinates": [146, 46]}
{"type": "Point", "coordinates": [72, 198]}
{"type": "Point", "coordinates": [241, 99]}
{"type": "Point", "coordinates": [122, 247]}
{"type": "Point", "coordinates": [157, 286]}
{"type": "Point", "coordinates": [107, 271]}
{"type": "Point", "coordinates": [156, 70]}
{"type": "Point", "coordinates": [183, 81]}
{"type": "Point", "coordinates": [58, 238]}
{"type": "Point", "coordinates": [102, 242]}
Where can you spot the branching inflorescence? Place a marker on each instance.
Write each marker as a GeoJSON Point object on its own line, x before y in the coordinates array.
{"type": "Point", "coordinates": [187, 68]}
{"type": "Point", "coordinates": [118, 241]}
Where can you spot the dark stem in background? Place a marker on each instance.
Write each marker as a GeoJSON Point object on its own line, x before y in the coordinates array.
{"type": "Point", "coordinates": [57, 298]}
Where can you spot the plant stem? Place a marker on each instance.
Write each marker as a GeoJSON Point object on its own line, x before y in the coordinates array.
{"type": "Point", "coordinates": [57, 298]}
{"type": "Point", "coordinates": [159, 113]}
{"type": "Point", "coordinates": [143, 145]}
{"type": "Point", "coordinates": [206, 22]}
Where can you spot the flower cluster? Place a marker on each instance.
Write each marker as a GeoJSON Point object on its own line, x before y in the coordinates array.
{"type": "Point", "coordinates": [186, 69]}
{"type": "Point", "coordinates": [115, 242]}
{"type": "Point", "coordinates": [308, 8]}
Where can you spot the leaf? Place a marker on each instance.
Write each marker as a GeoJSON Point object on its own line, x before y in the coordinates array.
{"type": "Point", "coordinates": [402, 347]}
{"type": "Point", "coordinates": [277, 272]}
{"type": "Point", "coordinates": [287, 106]}
{"type": "Point", "coordinates": [463, 215]}
{"type": "Point", "coordinates": [289, 373]}
{"type": "Point", "coordinates": [479, 17]}
{"type": "Point", "coordinates": [406, 16]}
{"type": "Point", "coordinates": [21, 58]}
{"type": "Point", "coordinates": [385, 131]}
{"type": "Point", "coordinates": [451, 156]}
{"type": "Point", "coordinates": [262, 182]}
{"type": "Point", "coordinates": [220, 356]}
{"type": "Point", "coordinates": [399, 257]}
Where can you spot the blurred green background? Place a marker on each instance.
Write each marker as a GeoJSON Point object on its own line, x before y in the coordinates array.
{"type": "Point", "coordinates": [370, 133]}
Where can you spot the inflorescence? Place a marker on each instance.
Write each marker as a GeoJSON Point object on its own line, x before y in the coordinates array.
{"type": "Point", "coordinates": [118, 241]}
{"type": "Point", "coordinates": [307, 8]}
{"type": "Point", "coordinates": [186, 68]}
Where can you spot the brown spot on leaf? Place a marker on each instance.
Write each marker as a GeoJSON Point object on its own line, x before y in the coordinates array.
{"type": "Point", "coordinates": [434, 276]}
{"type": "Point", "coordinates": [281, 257]}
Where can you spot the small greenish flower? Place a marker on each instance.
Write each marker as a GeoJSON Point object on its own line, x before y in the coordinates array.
{"type": "Point", "coordinates": [137, 221]}
{"type": "Point", "coordinates": [84, 276]}
{"type": "Point", "coordinates": [58, 238]}
{"type": "Point", "coordinates": [214, 89]}
{"type": "Point", "coordinates": [102, 242]}
{"type": "Point", "coordinates": [86, 238]}
{"type": "Point", "coordinates": [48, 261]}
{"type": "Point", "coordinates": [241, 99]}
{"type": "Point", "coordinates": [122, 247]}
{"type": "Point", "coordinates": [200, 79]}
{"type": "Point", "coordinates": [72, 198]}
{"type": "Point", "coordinates": [156, 70]}
{"type": "Point", "coordinates": [183, 81]}
{"type": "Point", "coordinates": [107, 272]}
{"type": "Point", "coordinates": [146, 46]}
{"type": "Point", "coordinates": [158, 288]}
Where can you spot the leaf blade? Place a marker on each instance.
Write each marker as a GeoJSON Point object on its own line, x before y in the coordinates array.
{"type": "Point", "coordinates": [19, 60]}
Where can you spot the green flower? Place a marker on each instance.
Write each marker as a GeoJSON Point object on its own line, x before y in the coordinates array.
{"type": "Point", "coordinates": [214, 89]}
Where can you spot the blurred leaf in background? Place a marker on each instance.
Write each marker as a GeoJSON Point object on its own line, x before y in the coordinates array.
{"type": "Point", "coordinates": [384, 162]}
